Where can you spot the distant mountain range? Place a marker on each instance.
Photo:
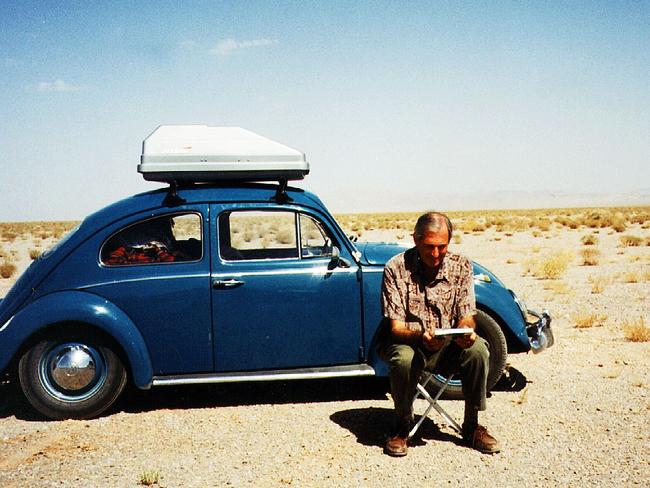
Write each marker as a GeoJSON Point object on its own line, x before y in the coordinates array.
{"type": "Point", "coordinates": [402, 202]}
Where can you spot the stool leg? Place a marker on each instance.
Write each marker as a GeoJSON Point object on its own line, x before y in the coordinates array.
{"type": "Point", "coordinates": [433, 403]}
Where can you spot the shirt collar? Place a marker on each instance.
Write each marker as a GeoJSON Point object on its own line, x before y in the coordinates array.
{"type": "Point", "coordinates": [418, 267]}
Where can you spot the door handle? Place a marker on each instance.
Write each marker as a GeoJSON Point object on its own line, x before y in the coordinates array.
{"type": "Point", "coordinates": [229, 283]}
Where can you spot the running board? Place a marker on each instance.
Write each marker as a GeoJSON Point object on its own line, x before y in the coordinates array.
{"type": "Point", "coordinates": [275, 375]}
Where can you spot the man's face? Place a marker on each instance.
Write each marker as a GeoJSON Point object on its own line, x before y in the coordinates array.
{"type": "Point", "coordinates": [432, 247]}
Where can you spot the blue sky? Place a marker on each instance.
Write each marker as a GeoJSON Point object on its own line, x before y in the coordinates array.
{"type": "Point", "coordinates": [398, 105]}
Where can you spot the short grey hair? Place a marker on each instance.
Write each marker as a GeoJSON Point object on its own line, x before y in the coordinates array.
{"type": "Point", "coordinates": [432, 222]}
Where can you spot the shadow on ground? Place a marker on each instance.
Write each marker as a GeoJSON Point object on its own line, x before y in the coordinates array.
{"type": "Point", "coordinates": [372, 427]}
{"type": "Point", "coordinates": [12, 402]}
{"type": "Point", "coordinates": [511, 380]}
{"type": "Point", "coordinates": [220, 395]}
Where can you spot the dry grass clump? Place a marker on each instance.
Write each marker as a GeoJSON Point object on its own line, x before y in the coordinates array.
{"type": "Point", "coordinates": [589, 239]}
{"type": "Point", "coordinates": [557, 287]}
{"type": "Point", "coordinates": [598, 283]}
{"type": "Point", "coordinates": [150, 477]}
{"type": "Point", "coordinates": [549, 267]}
{"type": "Point", "coordinates": [34, 253]}
{"type": "Point", "coordinates": [586, 320]}
{"type": "Point", "coordinates": [472, 225]}
{"type": "Point", "coordinates": [630, 241]}
{"type": "Point", "coordinates": [7, 268]}
{"type": "Point", "coordinates": [636, 331]}
{"type": "Point", "coordinates": [590, 256]}
{"type": "Point", "coordinates": [631, 277]}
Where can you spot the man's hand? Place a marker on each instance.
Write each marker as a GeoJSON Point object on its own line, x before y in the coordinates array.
{"type": "Point", "coordinates": [467, 340]}
{"type": "Point", "coordinates": [431, 342]}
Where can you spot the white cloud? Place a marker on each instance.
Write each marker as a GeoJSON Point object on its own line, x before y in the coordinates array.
{"type": "Point", "coordinates": [57, 86]}
{"type": "Point", "coordinates": [227, 46]}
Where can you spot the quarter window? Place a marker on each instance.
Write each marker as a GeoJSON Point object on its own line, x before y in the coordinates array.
{"type": "Point", "coordinates": [170, 238]}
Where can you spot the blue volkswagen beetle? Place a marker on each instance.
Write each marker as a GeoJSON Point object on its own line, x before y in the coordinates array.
{"type": "Point", "coordinates": [226, 280]}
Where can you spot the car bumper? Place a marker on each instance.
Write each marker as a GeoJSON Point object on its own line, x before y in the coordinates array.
{"type": "Point", "coordinates": [540, 334]}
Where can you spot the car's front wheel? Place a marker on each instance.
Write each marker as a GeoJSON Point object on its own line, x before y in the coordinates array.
{"type": "Point", "coordinates": [488, 329]}
{"type": "Point", "coordinates": [71, 376]}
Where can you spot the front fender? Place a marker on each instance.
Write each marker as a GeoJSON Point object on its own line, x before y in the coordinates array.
{"type": "Point", "coordinates": [499, 303]}
{"type": "Point", "coordinates": [78, 306]}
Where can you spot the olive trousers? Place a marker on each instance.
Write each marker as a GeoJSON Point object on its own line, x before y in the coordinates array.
{"type": "Point", "coordinates": [406, 364]}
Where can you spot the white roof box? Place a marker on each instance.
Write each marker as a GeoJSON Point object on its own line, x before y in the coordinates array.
{"type": "Point", "coordinates": [198, 153]}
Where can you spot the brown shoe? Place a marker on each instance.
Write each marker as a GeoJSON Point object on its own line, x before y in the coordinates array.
{"type": "Point", "coordinates": [481, 440]}
{"type": "Point", "coordinates": [396, 446]}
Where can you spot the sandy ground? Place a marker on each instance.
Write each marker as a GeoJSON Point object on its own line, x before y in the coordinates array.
{"type": "Point", "coordinates": [575, 415]}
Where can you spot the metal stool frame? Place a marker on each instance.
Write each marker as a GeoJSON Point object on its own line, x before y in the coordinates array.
{"type": "Point", "coordinates": [433, 403]}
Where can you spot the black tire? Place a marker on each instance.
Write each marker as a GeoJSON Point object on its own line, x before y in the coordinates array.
{"type": "Point", "coordinates": [71, 376]}
{"type": "Point", "coordinates": [488, 329]}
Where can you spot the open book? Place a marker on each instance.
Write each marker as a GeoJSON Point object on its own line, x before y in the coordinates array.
{"type": "Point", "coordinates": [453, 332]}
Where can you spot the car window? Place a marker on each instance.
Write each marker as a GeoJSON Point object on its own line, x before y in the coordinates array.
{"type": "Point", "coordinates": [314, 241]}
{"type": "Point", "coordinates": [165, 239]}
{"type": "Point", "coordinates": [247, 235]}
{"type": "Point", "coordinates": [273, 234]}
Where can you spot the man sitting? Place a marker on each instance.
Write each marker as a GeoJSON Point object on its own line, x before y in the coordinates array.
{"type": "Point", "coordinates": [426, 288]}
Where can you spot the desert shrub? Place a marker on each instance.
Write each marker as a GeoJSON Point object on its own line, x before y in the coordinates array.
{"type": "Point", "coordinates": [34, 253]}
{"type": "Point", "coordinates": [9, 236]}
{"type": "Point", "coordinates": [589, 240]}
{"type": "Point", "coordinates": [150, 477]}
{"type": "Point", "coordinates": [587, 319]}
{"type": "Point", "coordinates": [630, 241]}
{"type": "Point", "coordinates": [7, 269]}
{"type": "Point", "coordinates": [473, 226]}
{"type": "Point", "coordinates": [286, 236]}
{"type": "Point", "coordinates": [557, 287]}
{"type": "Point", "coordinates": [636, 330]}
{"type": "Point", "coordinates": [598, 283]}
{"type": "Point", "coordinates": [552, 266]}
{"type": "Point", "coordinates": [590, 256]}
{"type": "Point", "coordinates": [631, 277]}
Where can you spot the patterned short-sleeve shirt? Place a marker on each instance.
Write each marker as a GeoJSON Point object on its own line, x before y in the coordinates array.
{"type": "Point", "coordinates": [409, 297]}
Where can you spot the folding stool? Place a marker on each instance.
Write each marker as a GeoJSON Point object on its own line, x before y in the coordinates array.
{"type": "Point", "coordinates": [421, 391]}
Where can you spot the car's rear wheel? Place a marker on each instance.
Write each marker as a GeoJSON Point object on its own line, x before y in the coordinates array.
{"type": "Point", "coordinates": [71, 376]}
{"type": "Point", "coordinates": [488, 329]}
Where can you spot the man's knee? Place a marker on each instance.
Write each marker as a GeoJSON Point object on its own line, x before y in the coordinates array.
{"type": "Point", "coordinates": [477, 353]}
{"type": "Point", "coordinates": [399, 357]}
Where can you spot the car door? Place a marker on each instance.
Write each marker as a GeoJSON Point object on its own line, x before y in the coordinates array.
{"type": "Point", "coordinates": [281, 298]}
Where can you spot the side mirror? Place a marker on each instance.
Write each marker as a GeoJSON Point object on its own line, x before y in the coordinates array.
{"type": "Point", "coordinates": [337, 261]}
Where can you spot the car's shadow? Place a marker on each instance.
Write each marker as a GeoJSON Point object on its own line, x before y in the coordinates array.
{"type": "Point", "coordinates": [368, 425]}
{"type": "Point", "coordinates": [219, 395]}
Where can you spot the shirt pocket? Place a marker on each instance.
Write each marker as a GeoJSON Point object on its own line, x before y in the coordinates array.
{"type": "Point", "coordinates": [442, 296]}
{"type": "Point", "coordinates": [415, 306]}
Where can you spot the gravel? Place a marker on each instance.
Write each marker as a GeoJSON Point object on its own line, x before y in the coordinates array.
{"type": "Point", "coordinates": [575, 415]}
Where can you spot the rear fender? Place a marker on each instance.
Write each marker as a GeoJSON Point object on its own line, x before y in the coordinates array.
{"type": "Point", "coordinates": [79, 307]}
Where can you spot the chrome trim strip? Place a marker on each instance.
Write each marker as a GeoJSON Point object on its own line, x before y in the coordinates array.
{"type": "Point", "coordinates": [320, 270]}
{"type": "Point", "coordinates": [275, 375]}
{"type": "Point", "coordinates": [145, 278]}
{"type": "Point", "coordinates": [374, 269]}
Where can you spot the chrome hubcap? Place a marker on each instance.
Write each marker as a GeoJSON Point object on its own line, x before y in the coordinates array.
{"type": "Point", "coordinates": [72, 372]}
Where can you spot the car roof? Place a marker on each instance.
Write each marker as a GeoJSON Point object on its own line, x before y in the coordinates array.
{"type": "Point", "coordinates": [199, 193]}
